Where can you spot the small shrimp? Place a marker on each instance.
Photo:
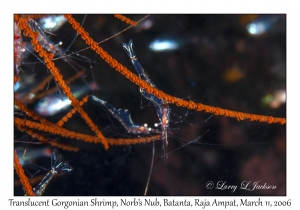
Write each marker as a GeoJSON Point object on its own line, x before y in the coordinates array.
{"type": "Point", "coordinates": [123, 116]}
{"type": "Point", "coordinates": [57, 167]}
{"type": "Point", "coordinates": [53, 48]}
{"type": "Point", "coordinates": [161, 106]}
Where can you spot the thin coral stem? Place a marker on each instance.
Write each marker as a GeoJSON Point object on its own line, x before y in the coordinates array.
{"type": "Point", "coordinates": [64, 119]}
{"type": "Point", "coordinates": [43, 139]}
{"type": "Point", "coordinates": [57, 130]}
{"type": "Point", "coordinates": [24, 180]}
{"type": "Point", "coordinates": [54, 89]}
{"type": "Point", "coordinates": [39, 87]}
{"type": "Point", "coordinates": [22, 107]}
{"type": "Point", "coordinates": [16, 18]}
{"type": "Point", "coordinates": [125, 19]}
{"type": "Point", "coordinates": [27, 31]}
{"type": "Point", "coordinates": [158, 93]}
{"type": "Point", "coordinates": [16, 79]}
{"type": "Point", "coordinates": [64, 146]}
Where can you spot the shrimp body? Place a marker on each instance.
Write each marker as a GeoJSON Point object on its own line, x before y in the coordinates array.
{"type": "Point", "coordinates": [161, 106]}
{"type": "Point", "coordinates": [58, 167]}
{"type": "Point", "coordinates": [18, 48]}
{"type": "Point", "coordinates": [123, 116]}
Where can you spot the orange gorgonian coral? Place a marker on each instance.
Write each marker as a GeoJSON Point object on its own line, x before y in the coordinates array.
{"type": "Point", "coordinates": [212, 59]}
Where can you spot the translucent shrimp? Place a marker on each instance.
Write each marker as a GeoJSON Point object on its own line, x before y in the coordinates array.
{"type": "Point", "coordinates": [123, 116]}
{"type": "Point", "coordinates": [18, 48]}
{"type": "Point", "coordinates": [162, 107]}
{"type": "Point", "coordinates": [57, 167]}
{"type": "Point", "coordinates": [51, 47]}
{"type": "Point", "coordinates": [43, 39]}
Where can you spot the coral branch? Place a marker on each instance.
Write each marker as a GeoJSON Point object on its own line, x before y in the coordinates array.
{"type": "Point", "coordinates": [39, 87]}
{"type": "Point", "coordinates": [64, 146]}
{"type": "Point", "coordinates": [43, 139]}
{"type": "Point", "coordinates": [140, 140]}
{"type": "Point", "coordinates": [45, 123]}
{"type": "Point", "coordinates": [64, 119]}
{"type": "Point", "coordinates": [22, 107]}
{"type": "Point", "coordinates": [47, 126]}
{"type": "Point", "coordinates": [24, 180]}
{"type": "Point", "coordinates": [54, 89]}
{"type": "Point", "coordinates": [126, 19]}
{"type": "Point", "coordinates": [27, 31]}
{"type": "Point", "coordinates": [16, 79]}
{"type": "Point", "coordinates": [55, 129]}
{"type": "Point", "coordinates": [158, 93]}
